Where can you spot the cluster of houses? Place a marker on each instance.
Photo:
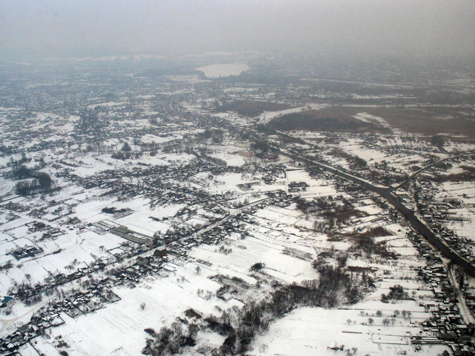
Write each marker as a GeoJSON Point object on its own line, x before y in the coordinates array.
{"type": "Point", "coordinates": [447, 325]}
{"type": "Point", "coordinates": [437, 214]}
{"type": "Point", "coordinates": [35, 327]}
{"type": "Point", "coordinates": [25, 252]}
{"type": "Point", "coordinates": [95, 297]}
{"type": "Point", "coordinates": [95, 294]}
{"type": "Point", "coordinates": [295, 187]}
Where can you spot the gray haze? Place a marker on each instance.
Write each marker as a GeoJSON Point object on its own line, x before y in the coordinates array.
{"type": "Point", "coordinates": [58, 28]}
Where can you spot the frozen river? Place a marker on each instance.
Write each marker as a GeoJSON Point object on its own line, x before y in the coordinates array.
{"type": "Point", "coordinates": [223, 70]}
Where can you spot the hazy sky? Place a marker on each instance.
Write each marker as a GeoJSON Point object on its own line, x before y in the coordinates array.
{"type": "Point", "coordinates": [90, 27]}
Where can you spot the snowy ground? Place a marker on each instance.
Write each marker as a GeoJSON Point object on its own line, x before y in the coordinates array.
{"type": "Point", "coordinates": [286, 240]}
{"type": "Point", "coordinates": [314, 331]}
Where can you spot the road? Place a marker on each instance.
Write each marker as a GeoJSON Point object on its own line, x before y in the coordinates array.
{"type": "Point", "coordinates": [8, 322]}
{"type": "Point", "coordinates": [464, 311]}
{"type": "Point", "coordinates": [421, 170]}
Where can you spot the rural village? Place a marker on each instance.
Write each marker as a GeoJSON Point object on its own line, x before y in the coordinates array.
{"type": "Point", "coordinates": [245, 207]}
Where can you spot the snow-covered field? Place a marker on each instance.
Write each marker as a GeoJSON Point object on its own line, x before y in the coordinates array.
{"type": "Point", "coordinates": [173, 208]}
{"type": "Point", "coordinates": [118, 329]}
{"type": "Point", "coordinates": [315, 331]}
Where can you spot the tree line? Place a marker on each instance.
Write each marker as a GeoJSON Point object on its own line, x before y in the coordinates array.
{"type": "Point", "coordinates": [31, 181]}
{"type": "Point", "coordinates": [240, 325]}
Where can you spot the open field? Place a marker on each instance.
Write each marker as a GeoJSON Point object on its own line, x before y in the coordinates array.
{"type": "Point", "coordinates": [251, 108]}
{"type": "Point", "coordinates": [307, 331]}
{"type": "Point", "coordinates": [423, 121]}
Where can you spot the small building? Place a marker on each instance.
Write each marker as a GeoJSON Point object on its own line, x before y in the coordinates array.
{"type": "Point", "coordinates": [6, 302]}
{"type": "Point", "coordinates": [160, 253]}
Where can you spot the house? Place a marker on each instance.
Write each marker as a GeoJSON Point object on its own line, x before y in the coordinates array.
{"type": "Point", "coordinates": [6, 302]}
{"type": "Point", "coordinates": [160, 253]}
